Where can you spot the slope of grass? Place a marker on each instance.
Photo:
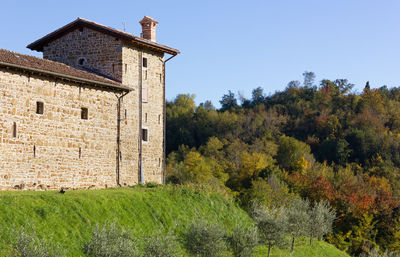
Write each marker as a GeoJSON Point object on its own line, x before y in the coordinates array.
{"type": "Point", "coordinates": [69, 219]}
{"type": "Point", "coordinates": [303, 249]}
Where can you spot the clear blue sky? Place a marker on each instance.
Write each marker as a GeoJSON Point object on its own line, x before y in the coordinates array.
{"type": "Point", "coordinates": [238, 45]}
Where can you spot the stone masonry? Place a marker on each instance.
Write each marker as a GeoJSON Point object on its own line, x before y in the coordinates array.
{"type": "Point", "coordinates": [60, 149]}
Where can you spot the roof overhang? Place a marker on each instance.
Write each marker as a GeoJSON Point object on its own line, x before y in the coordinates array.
{"type": "Point", "coordinates": [107, 86]}
{"type": "Point", "coordinates": [80, 22]}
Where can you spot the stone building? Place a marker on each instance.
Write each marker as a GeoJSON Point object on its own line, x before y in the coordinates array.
{"type": "Point", "coordinates": [90, 114]}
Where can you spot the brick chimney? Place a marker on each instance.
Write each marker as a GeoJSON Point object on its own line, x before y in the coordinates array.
{"type": "Point", "coordinates": [148, 28]}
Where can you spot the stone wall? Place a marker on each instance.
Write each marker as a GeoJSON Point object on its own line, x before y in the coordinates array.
{"type": "Point", "coordinates": [152, 107]}
{"type": "Point", "coordinates": [102, 53]}
{"type": "Point", "coordinates": [57, 148]}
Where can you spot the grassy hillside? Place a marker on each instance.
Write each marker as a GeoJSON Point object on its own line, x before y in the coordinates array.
{"type": "Point", "coordinates": [303, 249]}
{"type": "Point", "coordinates": [69, 219]}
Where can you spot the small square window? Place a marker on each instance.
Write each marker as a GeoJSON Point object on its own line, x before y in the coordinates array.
{"type": "Point", "coordinates": [145, 135]}
{"type": "Point", "coordinates": [144, 62]}
{"type": "Point", "coordinates": [84, 113]}
{"type": "Point", "coordinates": [39, 107]}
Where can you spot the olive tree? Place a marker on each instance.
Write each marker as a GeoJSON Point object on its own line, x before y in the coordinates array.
{"type": "Point", "coordinates": [298, 219]}
{"type": "Point", "coordinates": [243, 240]}
{"type": "Point", "coordinates": [322, 217]}
{"type": "Point", "coordinates": [271, 223]}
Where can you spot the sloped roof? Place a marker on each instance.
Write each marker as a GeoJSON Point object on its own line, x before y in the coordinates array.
{"type": "Point", "coordinates": [62, 71]}
{"type": "Point", "coordinates": [80, 22]}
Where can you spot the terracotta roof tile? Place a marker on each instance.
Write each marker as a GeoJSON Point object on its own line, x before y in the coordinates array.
{"type": "Point", "coordinates": [34, 64]}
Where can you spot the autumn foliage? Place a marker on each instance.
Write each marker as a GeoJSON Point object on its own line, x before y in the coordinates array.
{"type": "Point", "coordinates": [322, 142]}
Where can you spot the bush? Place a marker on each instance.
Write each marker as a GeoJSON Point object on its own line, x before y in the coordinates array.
{"type": "Point", "coordinates": [110, 241]}
{"type": "Point", "coordinates": [152, 184]}
{"type": "Point", "coordinates": [205, 239]}
{"type": "Point", "coordinates": [376, 253]}
{"type": "Point", "coordinates": [243, 241]}
{"type": "Point", "coordinates": [26, 245]}
{"type": "Point", "coordinates": [161, 246]}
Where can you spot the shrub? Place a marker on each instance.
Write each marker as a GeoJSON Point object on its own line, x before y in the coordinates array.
{"type": "Point", "coordinates": [243, 240]}
{"type": "Point", "coordinates": [152, 184]}
{"type": "Point", "coordinates": [161, 245]}
{"type": "Point", "coordinates": [110, 241]}
{"type": "Point", "coordinates": [376, 253]}
{"type": "Point", "coordinates": [205, 239]}
{"type": "Point", "coordinates": [27, 245]}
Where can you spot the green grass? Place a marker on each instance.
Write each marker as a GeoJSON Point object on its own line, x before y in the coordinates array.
{"type": "Point", "coordinates": [70, 218]}
{"type": "Point", "coordinates": [303, 249]}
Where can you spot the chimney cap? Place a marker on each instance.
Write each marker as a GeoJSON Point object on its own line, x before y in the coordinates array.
{"type": "Point", "coordinates": [147, 19]}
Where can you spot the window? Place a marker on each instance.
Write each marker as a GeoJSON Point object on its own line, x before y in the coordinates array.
{"type": "Point", "coordinates": [159, 119]}
{"type": "Point", "coordinates": [84, 113]}
{"type": "Point", "coordinates": [145, 135]}
{"type": "Point", "coordinates": [82, 61]}
{"type": "Point", "coordinates": [39, 107]}
{"type": "Point", "coordinates": [80, 31]}
{"type": "Point", "coordinates": [144, 62]}
{"type": "Point", "coordinates": [145, 117]}
{"type": "Point", "coordinates": [14, 129]}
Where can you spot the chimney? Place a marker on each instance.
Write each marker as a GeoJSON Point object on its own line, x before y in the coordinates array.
{"type": "Point", "coordinates": [148, 28]}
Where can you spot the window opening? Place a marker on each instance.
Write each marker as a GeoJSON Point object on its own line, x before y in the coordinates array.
{"type": "Point", "coordinates": [82, 61]}
{"type": "Point", "coordinates": [144, 62]}
{"type": "Point", "coordinates": [145, 135]}
{"type": "Point", "coordinates": [39, 107]}
{"type": "Point", "coordinates": [84, 113]}
{"type": "Point", "coordinates": [14, 129]}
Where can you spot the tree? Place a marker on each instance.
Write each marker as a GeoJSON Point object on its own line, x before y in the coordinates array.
{"type": "Point", "coordinates": [363, 236]}
{"type": "Point", "coordinates": [321, 220]}
{"type": "Point", "coordinates": [243, 240]}
{"type": "Point", "coordinates": [292, 153]}
{"type": "Point", "coordinates": [205, 239]}
{"type": "Point", "coordinates": [228, 101]}
{"type": "Point", "coordinates": [309, 78]}
{"type": "Point", "coordinates": [298, 220]}
{"type": "Point", "coordinates": [271, 223]}
{"type": "Point", "coordinates": [258, 96]}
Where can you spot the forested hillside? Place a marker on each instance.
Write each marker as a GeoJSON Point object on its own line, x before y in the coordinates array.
{"type": "Point", "coordinates": [320, 141]}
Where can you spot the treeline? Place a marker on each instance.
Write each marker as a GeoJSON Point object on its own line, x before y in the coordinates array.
{"type": "Point", "coordinates": [320, 142]}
